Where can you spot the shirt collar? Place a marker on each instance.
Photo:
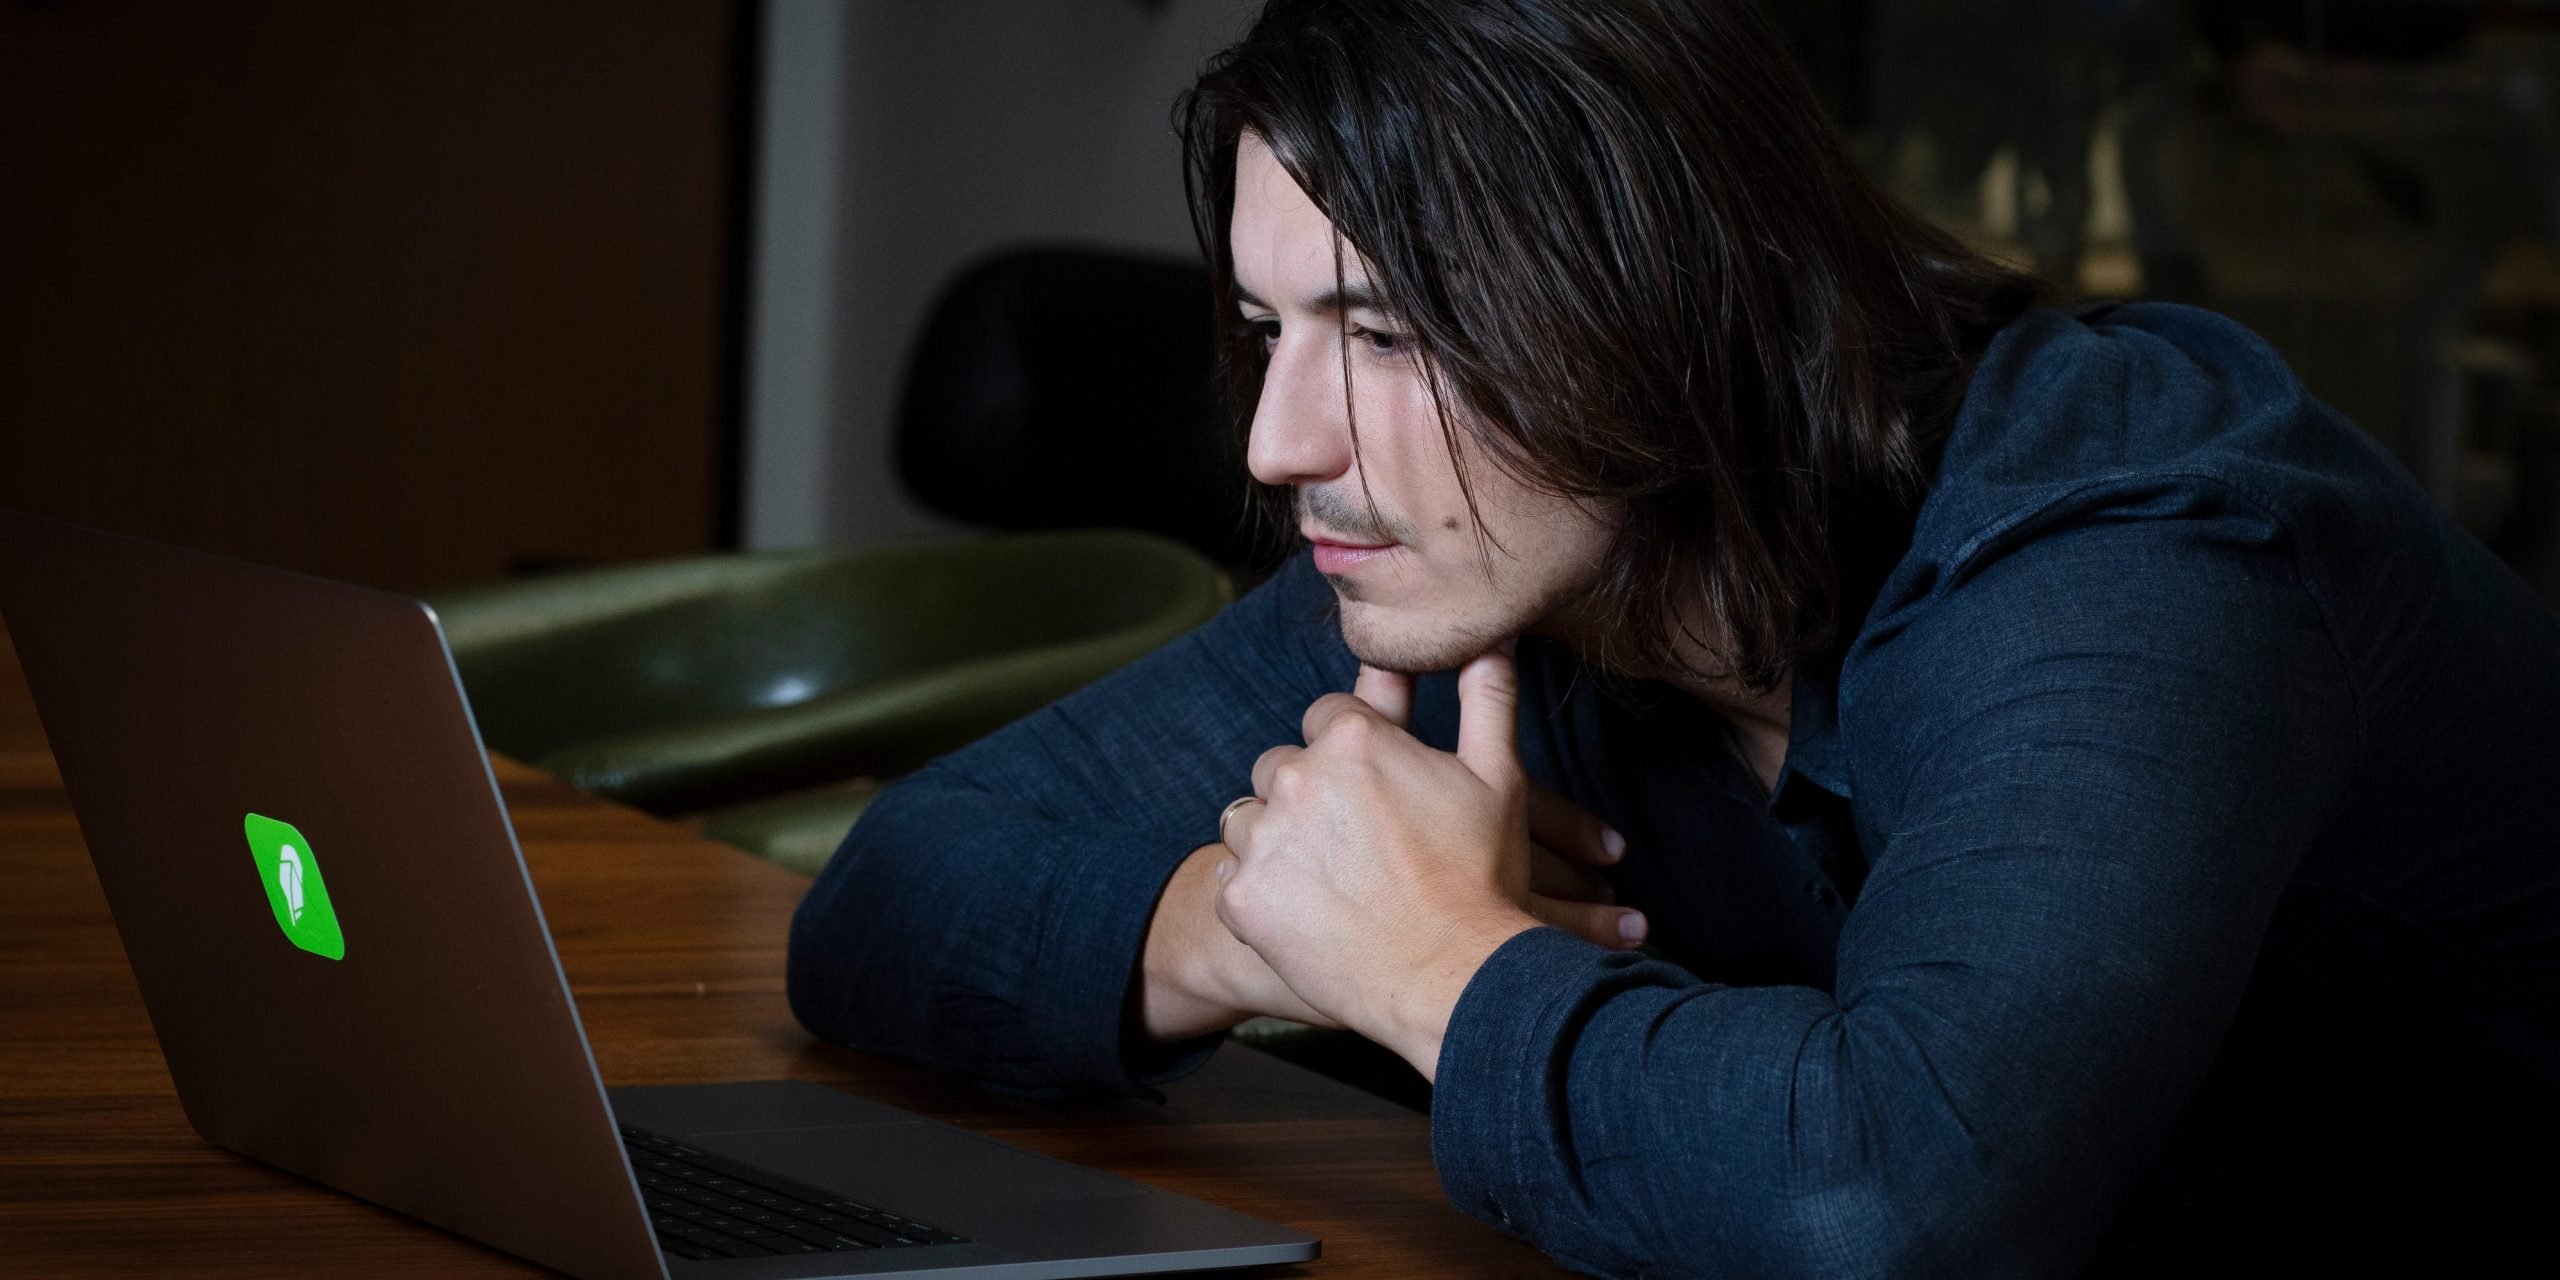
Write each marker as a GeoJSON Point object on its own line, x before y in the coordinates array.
{"type": "Point", "coordinates": [1815, 753]}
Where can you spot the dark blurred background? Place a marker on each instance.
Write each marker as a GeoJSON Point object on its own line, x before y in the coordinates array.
{"type": "Point", "coordinates": [406, 293]}
{"type": "Point", "coordinates": [423, 294]}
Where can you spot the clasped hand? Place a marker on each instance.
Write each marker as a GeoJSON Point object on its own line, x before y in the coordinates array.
{"type": "Point", "coordinates": [1378, 873]}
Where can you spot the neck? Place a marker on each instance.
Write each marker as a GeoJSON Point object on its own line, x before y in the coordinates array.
{"type": "Point", "coordinates": [1759, 720]}
{"type": "Point", "coordinates": [1759, 717]}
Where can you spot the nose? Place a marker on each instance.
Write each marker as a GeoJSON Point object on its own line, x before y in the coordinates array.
{"type": "Point", "coordinates": [1301, 429]}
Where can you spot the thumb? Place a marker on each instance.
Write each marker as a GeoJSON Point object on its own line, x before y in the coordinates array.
{"type": "Point", "coordinates": [1389, 693]}
{"type": "Point", "coordinates": [1488, 717]}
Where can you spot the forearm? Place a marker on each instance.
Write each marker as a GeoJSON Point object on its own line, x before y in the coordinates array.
{"type": "Point", "coordinates": [996, 913]}
{"type": "Point", "coordinates": [1632, 1119]}
{"type": "Point", "coordinates": [959, 931]}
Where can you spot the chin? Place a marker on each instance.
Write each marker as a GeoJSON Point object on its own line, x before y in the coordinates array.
{"type": "Point", "coordinates": [1393, 641]}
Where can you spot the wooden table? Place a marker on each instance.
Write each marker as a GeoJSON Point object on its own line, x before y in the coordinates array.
{"type": "Point", "coordinates": [674, 948]}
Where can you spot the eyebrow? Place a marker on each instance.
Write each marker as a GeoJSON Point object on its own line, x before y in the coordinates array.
{"type": "Point", "coordinates": [1351, 296]}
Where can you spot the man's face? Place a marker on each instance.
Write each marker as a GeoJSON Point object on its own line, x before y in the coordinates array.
{"type": "Point", "coordinates": [1419, 591]}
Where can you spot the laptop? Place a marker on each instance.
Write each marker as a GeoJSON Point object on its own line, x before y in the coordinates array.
{"type": "Point", "coordinates": [320, 893]}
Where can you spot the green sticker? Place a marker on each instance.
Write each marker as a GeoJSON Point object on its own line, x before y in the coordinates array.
{"type": "Point", "coordinates": [294, 887]}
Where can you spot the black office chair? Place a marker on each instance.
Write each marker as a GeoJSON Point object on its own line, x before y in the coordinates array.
{"type": "Point", "coordinates": [1054, 387]}
{"type": "Point", "coordinates": [1057, 388]}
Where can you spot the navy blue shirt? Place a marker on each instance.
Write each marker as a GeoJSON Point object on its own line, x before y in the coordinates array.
{"type": "Point", "coordinates": [2165, 875]}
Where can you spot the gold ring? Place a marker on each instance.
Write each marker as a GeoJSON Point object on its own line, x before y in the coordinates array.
{"type": "Point", "coordinates": [1230, 811]}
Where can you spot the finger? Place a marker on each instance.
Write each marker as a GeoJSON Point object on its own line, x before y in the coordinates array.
{"type": "Point", "coordinates": [1571, 830]}
{"type": "Point", "coordinates": [1607, 926]}
{"type": "Point", "coordinates": [1552, 875]}
{"type": "Point", "coordinates": [1391, 692]}
{"type": "Point", "coordinates": [1268, 763]}
{"type": "Point", "coordinates": [1488, 717]}
{"type": "Point", "coordinates": [1218, 901]}
{"type": "Point", "coordinates": [1239, 831]}
{"type": "Point", "coordinates": [1324, 711]}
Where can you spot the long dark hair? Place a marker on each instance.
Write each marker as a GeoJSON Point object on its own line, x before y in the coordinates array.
{"type": "Point", "coordinates": [1630, 248]}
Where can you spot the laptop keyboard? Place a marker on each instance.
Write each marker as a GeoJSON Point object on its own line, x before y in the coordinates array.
{"type": "Point", "coordinates": [705, 1207]}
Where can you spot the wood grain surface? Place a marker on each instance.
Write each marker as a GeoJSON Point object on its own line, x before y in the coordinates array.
{"type": "Point", "coordinates": [674, 947]}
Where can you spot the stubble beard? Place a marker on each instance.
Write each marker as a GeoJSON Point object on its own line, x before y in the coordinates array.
{"type": "Point", "coordinates": [1390, 648]}
{"type": "Point", "coordinates": [1423, 646]}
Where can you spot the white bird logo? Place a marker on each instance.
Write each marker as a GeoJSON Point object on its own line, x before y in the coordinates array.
{"type": "Point", "coordinates": [289, 879]}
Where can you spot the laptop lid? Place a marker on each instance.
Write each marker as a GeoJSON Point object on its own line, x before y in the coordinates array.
{"type": "Point", "coordinates": [316, 884]}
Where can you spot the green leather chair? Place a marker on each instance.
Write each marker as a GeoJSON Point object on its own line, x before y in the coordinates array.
{"type": "Point", "coordinates": [800, 830]}
{"type": "Point", "coordinates": [733, 682]}
{"type": "Point", "coordinates": [688, 684]}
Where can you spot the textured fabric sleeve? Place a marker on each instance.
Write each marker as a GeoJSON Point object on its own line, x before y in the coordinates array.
{"type": "Point", "coordinates": [988, 913]}
{"type": "Point", "coordinates": [2098, 742]}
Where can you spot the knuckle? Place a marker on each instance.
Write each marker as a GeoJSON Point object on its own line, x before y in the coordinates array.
{"type": "Point", "coordinates": [1288, 778]}
{"type": "Point", "coordinates": [1241, 908]}
{"type": "Point", "coordinates": [1351, 731]}
{"type": "Point", "coordinates": [1325, 709]}
{"type": "Point", "coordinates": [1268, 762]}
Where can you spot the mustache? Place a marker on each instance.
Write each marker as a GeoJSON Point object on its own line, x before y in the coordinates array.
{"type": "Point", "coordinates": [1346, 514]}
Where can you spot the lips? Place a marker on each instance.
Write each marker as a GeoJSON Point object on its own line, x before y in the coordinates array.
{"type": "Point", "coordinates": [1343, 557]}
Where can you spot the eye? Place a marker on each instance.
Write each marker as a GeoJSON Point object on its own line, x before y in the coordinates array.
{"type": "Point", "coordinates": [1263, 330]}
{"type": "Point", "coordinates": [1379, 340]}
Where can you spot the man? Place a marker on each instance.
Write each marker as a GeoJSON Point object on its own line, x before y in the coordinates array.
{"type": "Point", "coordinates": [2086, 812]}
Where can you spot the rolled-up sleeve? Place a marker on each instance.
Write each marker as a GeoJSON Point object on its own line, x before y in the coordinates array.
{"type": "Point", "coordinates": [988, 914]}
{"type": "Point", "coordinates": [2094, 746]}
